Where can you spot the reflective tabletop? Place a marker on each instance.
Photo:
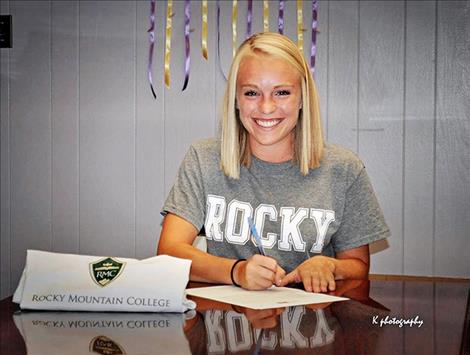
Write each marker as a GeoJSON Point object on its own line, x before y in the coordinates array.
{"type": "Point", "coordinates": [381, 317]}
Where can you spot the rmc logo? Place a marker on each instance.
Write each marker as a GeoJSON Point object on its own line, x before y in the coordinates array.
{"type": "Point", "coordinates": [105, 270]}
{"type": "Point", "coordinates": [105, 346]}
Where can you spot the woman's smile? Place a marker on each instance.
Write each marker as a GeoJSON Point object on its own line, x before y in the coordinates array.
{"type": "Point", "coordinates": [267, 123]}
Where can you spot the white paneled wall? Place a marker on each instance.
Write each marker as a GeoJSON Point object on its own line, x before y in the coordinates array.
{"type": "Point", "coordinates": [88, 156]}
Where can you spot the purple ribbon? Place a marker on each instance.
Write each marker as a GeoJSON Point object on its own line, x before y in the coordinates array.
{"type": "Point", "coordinates": [151, 32]}
{"type": "Point", "coordinates": [313, 48]}
{"type": "Point", "coordinates": [249, 18]}
{"type": "Point", "coordinates": [218, 39]}
{"type": "Point", "coordinates": [187, 21]}
{"type": "Point", "coordinates": [280, 21]}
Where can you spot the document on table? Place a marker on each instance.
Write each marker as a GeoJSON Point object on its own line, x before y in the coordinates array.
{"type": "Point", "coordinates": [273, 297]}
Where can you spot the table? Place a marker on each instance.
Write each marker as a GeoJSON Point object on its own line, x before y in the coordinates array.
{"type": "Point", "coordinates": [381, 317]}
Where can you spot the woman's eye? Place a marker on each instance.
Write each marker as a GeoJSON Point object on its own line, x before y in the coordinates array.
{"type": "Point", "coordinates": [283, 92]}
{"type": "Point", "coordinates": [250, 93]}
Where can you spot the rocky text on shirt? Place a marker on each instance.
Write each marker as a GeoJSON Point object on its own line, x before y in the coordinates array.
{"type": "Point", "coordinates": [237, 231]}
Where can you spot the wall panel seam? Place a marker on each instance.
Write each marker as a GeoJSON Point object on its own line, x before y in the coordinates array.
{"type": "Point", "coordinates": [135, 129]}
{"type": "Point", "coordinates": [10, 164]}
{"type": "Point", "coordinates": [51, 130]}
{"type": "Point", "coordinates": [214, 73]}
{"type": "Point", "coordinates": [78, 127]}
{"type": "Point", "coordinates": [327, 72]}
{"type": "Point", "coordinates": [358, 69]}
{"type": "Point", "coordinates": [434, 170]}
{"type": "Point", "coordinates": [164, 131]}
{"type": "Point", "coordinates": [403, 172]}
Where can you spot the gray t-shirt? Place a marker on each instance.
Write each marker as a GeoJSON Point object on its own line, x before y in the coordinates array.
{"type": "Point", "coordinates": [330, 210]}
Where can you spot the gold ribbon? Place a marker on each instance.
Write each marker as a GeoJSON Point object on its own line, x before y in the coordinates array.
{"type": "Point", "coordinates": [300, 26]}
{"type": "Point", "coordinates": [169, 15]}
{"type": "Point", "coordinates": [265, 16]}
{"type": "Point", "coordinates": [204, 30]}
{"type": "Point", "coordinates": [234, 27]}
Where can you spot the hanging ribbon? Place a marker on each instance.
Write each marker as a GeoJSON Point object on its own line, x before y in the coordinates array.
{"type": "Point", "coordinates": [234, 27]}
{"type": "Point", "coordinates": [187, 21]}
{"type": "Point", "coordinates": [265, 16]}
{"type": "Point", "coordinates": [300, 26]}
{"type": "Point", "coordinates": [313, 48]}
{"type": "Point", "coordinates": [151, 32]}
{"type": "Point", "coordinates": [204, 30]}
{"type": "Point", "coordinates": [169, 15]}
{"type": "Point", "coordinates": [218, 39]}
{"type": "Point", "coordinates": [280, 22]}
{"type": "Point", "coordinates": [249, 18]}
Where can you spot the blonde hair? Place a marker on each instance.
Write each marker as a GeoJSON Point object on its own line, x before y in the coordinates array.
{"type": "Point", "coordinates": [308, 148]}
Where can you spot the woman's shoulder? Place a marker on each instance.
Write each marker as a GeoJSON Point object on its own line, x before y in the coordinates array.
{"type": "Point", "coordinates": [208, 148]}
{"type": "Point", "coordinates": [338, 157]}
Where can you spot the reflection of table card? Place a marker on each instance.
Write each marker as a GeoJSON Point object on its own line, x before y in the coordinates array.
{"type": "Point", "coordinates": [102, 333]}
{"type": "Point", "coordinates": [273, 297]}
{"type": "Point", "coordinates": [53, 281]}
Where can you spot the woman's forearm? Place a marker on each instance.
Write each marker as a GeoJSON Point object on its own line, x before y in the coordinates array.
{"type": "Point", "coordinates": [176, 240]}
{"type": "Point", "coordinates": [204, 267]}
{"type": "Point", "coordinates": [350, 269]}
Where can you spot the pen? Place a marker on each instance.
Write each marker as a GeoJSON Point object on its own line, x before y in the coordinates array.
{"type": "Point", "coordinates": [258, 342]}
{"type": "Point", "coordinates": [255, 234]}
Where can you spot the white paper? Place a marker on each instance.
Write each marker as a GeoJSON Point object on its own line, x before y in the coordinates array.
{"type": "Point", "coordinates": [273, 297]}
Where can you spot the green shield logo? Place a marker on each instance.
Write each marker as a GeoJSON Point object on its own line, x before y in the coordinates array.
{"type": "Point", "coordinates": [106, 270]}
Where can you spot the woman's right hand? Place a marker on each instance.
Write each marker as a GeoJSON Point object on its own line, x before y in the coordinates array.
{"type": "Point", "coordinates": [258, 273]}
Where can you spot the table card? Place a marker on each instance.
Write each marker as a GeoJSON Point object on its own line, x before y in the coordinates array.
{"type": "Point", "coordinates": [53, 281]}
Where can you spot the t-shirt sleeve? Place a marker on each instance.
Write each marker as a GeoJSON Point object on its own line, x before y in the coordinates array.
{"type": "Point", "coordinates": [186, 197]}
{"type": "Point", "coordinates": [363, 221]}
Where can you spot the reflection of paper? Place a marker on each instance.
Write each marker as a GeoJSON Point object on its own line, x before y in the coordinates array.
{"type": "Point", "coordinates": [102, 333]}
{"type": "Point", "coordinates": [274, 297]}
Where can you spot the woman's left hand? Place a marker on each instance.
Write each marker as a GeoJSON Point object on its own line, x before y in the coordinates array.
{"type": "Point", "coordinates": [317, 274]}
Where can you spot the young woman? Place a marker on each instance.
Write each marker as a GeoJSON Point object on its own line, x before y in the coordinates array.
{"type": "Point", "coordinates": [312, 203]}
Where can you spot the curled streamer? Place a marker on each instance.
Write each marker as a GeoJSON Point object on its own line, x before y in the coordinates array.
{"type": "Point", "coordinates": [187, 22]}
{"type": "Point", "coordinates": [313, 48]}
{"type": "Point", "coordinates": [300, 26]}
{"type": "Point", "coordinates": [249, 18]}
{"type": "Point", "coordinates": [280, 21]}
{"type": "Point", "coordinates": [169, 15]}
{"type": "Point", "coordinates": [265, 15]}
{"type": "Point", "coordinates": [234, 26]}
{"type": "Point", "coordinates": [204, 11]}
{"type": "Point", "coordinates": [151, 32]}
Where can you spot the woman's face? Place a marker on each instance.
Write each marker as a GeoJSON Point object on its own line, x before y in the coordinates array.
{"type": "Point", "coordinates": [269, 97]}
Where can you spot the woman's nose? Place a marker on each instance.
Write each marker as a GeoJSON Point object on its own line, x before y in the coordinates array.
{"type": "Point", "coordinates": [267, 105]}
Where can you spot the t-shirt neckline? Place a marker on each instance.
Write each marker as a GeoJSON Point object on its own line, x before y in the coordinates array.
{"type": "Point", "coordinates": [269, 168]}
